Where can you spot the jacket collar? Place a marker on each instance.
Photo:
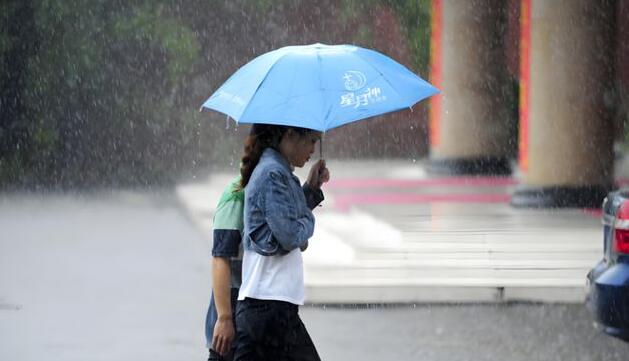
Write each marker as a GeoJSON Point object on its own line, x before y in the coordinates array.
{"type": "Point", "coordinates": [272, 154]}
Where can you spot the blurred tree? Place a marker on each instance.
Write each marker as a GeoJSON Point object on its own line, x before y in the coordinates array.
{"type": "Point", "coordinates": [96, 87]}
{"type": "Point", "coordinates": [414, 19]}
{"type": "Point", "coordinates": [97, 92]}
{"type": "Point", "coordinates": [17, 43]}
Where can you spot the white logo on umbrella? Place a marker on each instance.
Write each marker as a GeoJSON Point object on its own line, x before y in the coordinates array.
{"type": "Point", "coordinates": [354, 80]}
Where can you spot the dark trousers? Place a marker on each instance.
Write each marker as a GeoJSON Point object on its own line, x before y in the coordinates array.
{"type": "Point", "coordinates": [215, 356]}
{"type": "Point", "coordinates": [273, 331]}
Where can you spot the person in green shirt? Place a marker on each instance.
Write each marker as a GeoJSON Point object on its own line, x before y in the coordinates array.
{"type": "Point", "coordinates": [226, 272]}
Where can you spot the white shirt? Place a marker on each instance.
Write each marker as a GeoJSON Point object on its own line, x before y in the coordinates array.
{"type": "Point", "coordinates": [279, 278]}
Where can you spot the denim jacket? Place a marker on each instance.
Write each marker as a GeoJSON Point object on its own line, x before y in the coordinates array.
{"type": "Point", "coordinates": [277, 213]}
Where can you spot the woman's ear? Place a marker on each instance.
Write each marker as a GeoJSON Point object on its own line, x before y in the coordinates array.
{"type": "Point", "coordinates": [290, 132]}
{"type": "Point", "coordinates": [291, 135]}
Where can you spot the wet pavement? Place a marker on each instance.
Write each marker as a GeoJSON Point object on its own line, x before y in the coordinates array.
{"type": "Point", "coordinates": [126, 276]}
{"type": "Point", "coordinates": [389, 233]}
{"type": "Point", "coordinates": [491, 332]}
{"type": "Point", "coordinates": [113, 276]}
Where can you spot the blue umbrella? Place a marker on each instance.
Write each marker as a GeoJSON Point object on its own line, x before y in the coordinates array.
{"type": "Point", "coordinates": [318, 87]}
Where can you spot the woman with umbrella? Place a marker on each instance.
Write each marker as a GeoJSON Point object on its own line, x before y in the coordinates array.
{"type": "Point", "coordinates": [301, 90]}
{"type": "Point", "coordinates": [278, 223]}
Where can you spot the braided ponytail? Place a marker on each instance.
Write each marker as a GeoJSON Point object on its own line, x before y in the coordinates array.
{"type": "Point", "coordinates": [260, 137]}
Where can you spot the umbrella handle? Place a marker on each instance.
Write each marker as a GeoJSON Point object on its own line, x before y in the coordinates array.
{"type": "Point", "coordinates": [321, 147]}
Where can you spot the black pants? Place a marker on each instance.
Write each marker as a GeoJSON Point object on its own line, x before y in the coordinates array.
{"type": "Point", "coordinates": [273, 331]}
{"type": "Point", "coordinates": [215, 356]}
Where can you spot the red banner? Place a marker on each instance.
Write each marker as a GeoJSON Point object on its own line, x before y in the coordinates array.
{"type": "Point", "coordinates": [436, 70]}
{"type": "Point", "coordinates": [525, 82]}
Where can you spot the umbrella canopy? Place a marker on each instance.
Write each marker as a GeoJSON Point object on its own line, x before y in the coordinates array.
{"type": "Point", "coordinates": [318, 87]}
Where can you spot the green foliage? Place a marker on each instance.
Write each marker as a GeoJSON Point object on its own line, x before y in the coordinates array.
{"type": "Point", "coordinates": [97, 92]}
{"type": "Point", "coordinates": [100, 95]}
{"type": "Point", "coordinates": [149, 23]}
{"type": "Point", "coordinates": [414, 18]}
{"type": "Point", "coordinates": [264, 6]}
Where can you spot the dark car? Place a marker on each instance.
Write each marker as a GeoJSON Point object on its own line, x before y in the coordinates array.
{"type": "Point", "coordinates": [608, 281]}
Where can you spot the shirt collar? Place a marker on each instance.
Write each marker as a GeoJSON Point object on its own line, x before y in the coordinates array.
{"type": "Point", "coordinates": [278, 157]}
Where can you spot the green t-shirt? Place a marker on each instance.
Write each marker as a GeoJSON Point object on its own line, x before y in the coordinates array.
{"type": "Point", "coordinates": [227, 228]}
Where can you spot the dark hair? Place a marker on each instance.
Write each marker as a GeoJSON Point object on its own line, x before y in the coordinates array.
{"type": "Point", "coordinates": [262, 136]}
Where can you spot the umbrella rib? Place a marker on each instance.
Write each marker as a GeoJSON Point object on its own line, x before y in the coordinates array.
{"type": "Point", "coordinates": [292, 85]}
{"type": "Point", "coordinates": [286, 98]}
{"type": "Point", "coordinates": [262, 82]}
{"type": "Point", "coordinates": [381, 75]}
{"type": "Point", "coordinates": [328, 109]}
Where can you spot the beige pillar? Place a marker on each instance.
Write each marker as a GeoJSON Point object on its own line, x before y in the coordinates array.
{"type": "Point", "coordinates": [566, 134]}
{"type": "Point", "coordinates": [469, 125]}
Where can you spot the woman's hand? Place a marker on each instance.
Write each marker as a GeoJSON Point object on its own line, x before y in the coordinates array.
{"type": "Point", "coordinates": [318, 174]}
{"type": "Point", "coordinates": [224, 334]}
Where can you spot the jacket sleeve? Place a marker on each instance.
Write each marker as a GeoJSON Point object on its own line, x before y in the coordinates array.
{"type": "Point", "coordinates": [291, 229]}
{"type": "Point", "coordinates": [227, 228]}
{"type": "Point", "coordinates": [313, 196]}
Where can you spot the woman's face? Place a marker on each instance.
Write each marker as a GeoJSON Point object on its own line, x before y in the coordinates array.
{"type": "Point", "coordinates": [298, 148]}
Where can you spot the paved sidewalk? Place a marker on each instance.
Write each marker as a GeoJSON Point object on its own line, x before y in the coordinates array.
{"type": "Point", "coordinates": [388, 233]}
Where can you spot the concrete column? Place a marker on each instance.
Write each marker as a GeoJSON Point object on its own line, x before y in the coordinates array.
{"type": "Point", "coordinates": [566, 132]}
{"type": "Point", "coordinates": [469, 128]}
